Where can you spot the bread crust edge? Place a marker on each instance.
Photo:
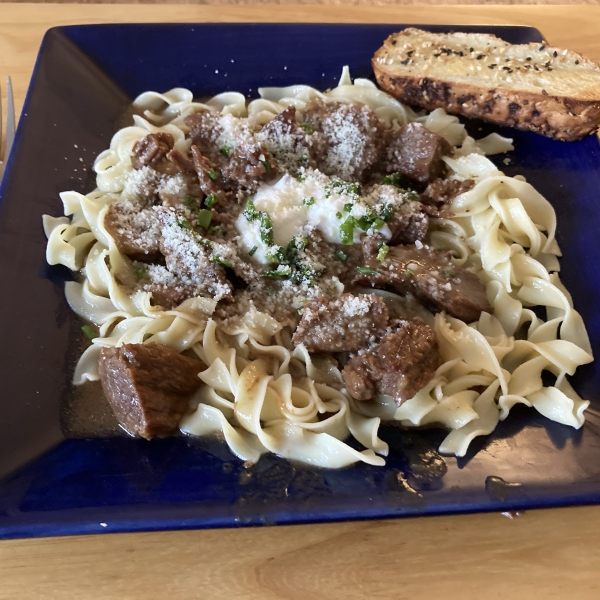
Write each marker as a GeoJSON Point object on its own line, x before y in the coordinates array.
{"type": "Point", "coordinates": [556, 117]}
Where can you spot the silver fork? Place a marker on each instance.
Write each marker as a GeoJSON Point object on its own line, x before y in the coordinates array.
{"type": "Point", "coordinates": [10, 126]}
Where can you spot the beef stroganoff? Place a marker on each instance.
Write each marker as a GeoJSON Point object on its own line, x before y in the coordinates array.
{"type": "Point", "coordinates": [293, 270]}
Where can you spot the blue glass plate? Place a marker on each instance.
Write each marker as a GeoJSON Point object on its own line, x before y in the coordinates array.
{"type": "Point", "coordinates": [84, 79]}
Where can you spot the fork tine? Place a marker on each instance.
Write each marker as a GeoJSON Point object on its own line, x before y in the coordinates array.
{"type": "Point", "coordinates": [1, 155]}
{"type": "Point", "coordinates": [10, 119]}
{"type": "Point", "coordinates": [10, 126]}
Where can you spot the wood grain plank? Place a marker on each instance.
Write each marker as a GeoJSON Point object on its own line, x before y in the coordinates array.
{"type": "Point", "coordinates": [544, 554]}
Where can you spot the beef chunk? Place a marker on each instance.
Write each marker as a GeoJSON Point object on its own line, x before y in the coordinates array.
{"type": "Point", "coordinates": [183, 163]}
{"type": "Point", "coordinates": [180, 191]}
{"type": "Point", "coordinates": [151, 150]}
{"type": "Point", "coordinates": [341, 324]}
{"type": "Point", "coordinates": [430, 276]}
{"type": "Point", "coordinates": [248, 166]}
{"type": "Point", "coordinates": [443, 191]}
{"type": "Point", "coordinates": [408, 227]}
{"type": "Point", "coordinates": [354, 138]}
{"type": "Point", "coordinates": [417, 153]}
{"type": "Point", "coordinates": [399, 366]}
{"type": "Point", "coordinates": [209, 177]}
{"type": "Point", "coordinates": [205, 129]}
{"type": "Point", "coordinates": [136, 230]}
{"type": "Point", "coordinates": [148, 386]}
{"type": "Point", "coordinates": [292, 145]}
{"type": "Point", "coordinates": [191, 257]}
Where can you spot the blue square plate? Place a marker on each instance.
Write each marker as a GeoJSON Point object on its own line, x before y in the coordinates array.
{"type": "Point", "coordinates": [84, 80]}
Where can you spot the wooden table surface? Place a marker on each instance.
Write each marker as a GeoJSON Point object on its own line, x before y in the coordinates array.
{"type": "Point", "coordinates": [542, 554]}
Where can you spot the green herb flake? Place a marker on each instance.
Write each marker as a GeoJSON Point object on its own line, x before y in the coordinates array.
{"type": "Point", "coordinates": [253, 250]}
{"type": "Point", "coordinates": [220, 261]}
{"type": "Point", "coordinates": [339, 215]}
{"type": "Point", "coordinates": [383, 250]}
{"type": "Point", "coordinates": [279, 273]}
{"type": "Point", "coordinates": [213, 174]}
{"type": "Point", "coordinates": [203, 218]}
{"type": "Point", "coordinates": [341, 255]}
{"type": "Point", "coordinates": [183, 224]}
{"type": "Point", "coordinates": [410, 274]}
{"type": "Point", "coordinates": [308, 201]}
{"type": "Point", "coordinates": [301, 178]}
{"type": "Point", "coordinates": [266, 229]}
{"type": "Point", "coordinates": [89, 332]}
{"type": "Point", "coordinates": [140, 271]}
{"type": "Point", "coordinates": [307, 127]}
{"type": "Point", "coordinates": [395, 179]}
{"type": "Point", "coordinates": [367, 271]}
{"type": "Point", "coordinates": [347, 231]}
{"type": "Point", "coordinates": [226, 151]}
{"type": "Point", "coordinates": [267, 165]}
{"type": "Point", "coordinates": [448, 273]}
{"type": "Point", "coordinates": [210, 200]}
{"type": "Point", "coordinates": [348, 207]}
{"type": "Point", "coordinates": [250, 212]}
{"type": "Point", "coordinates": [377, 224]}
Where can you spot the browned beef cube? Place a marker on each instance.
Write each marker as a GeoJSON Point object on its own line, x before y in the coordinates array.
{"type": "Point", "coordinates": [430, 276]}
{"type": "Point", "coordinates": [399, 366]}
{"type": "Point", "coordinates": [205, 129]}
{"type": "Point", "coordinates": [443, 191]}
{"type": "Point", "coordinates": [209, 177]}
{"type": "Point", "coordinates": [407, 228]}
{"type": "Point", "coordinates": [341, 324]}
{"type": "Point", "coordinates": [136, 230]}
{"type": "Point", "coordinates": [292, 145]}
{"type": "Point", "coordinates": [190, 257]}
{"type": "Point", "coordinates": [152, 149]}
{"type": "Point", "coordinates": [354, 138]}
{"type": "Point", "coordinates": [148, 386]}
{"type": "Point", "coordinates": [417, 153]}
{"type": "Point", "coordinates": [249, 165]}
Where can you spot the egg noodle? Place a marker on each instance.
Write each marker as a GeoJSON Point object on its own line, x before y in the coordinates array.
{"type": "Point", "coordinates": [259, 393]}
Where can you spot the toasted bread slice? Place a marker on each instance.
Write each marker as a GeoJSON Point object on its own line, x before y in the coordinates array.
{"type": "Point", "coordinates": [536, 87]}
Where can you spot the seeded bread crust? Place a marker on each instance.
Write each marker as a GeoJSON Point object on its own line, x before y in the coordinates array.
{"type": "Point", "coordinates": [558, 117]}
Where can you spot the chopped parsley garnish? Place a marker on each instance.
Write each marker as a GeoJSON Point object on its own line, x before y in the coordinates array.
{"type": "Point", "coordinates": [253, 250]}
{"type": "Point", "coordinates": [367, 271]}
{"type": "Point", "coordinates": [347, 231]}
{"type": "Point", "coordinates": [308, 201]}
{"type": "Point", "coordinates": [183, 224]}
{"type": "Point", "coordinates": [448, 273]}
{"type": "Point", "coordinates": [339, 215]}
{"type": "Point", "coordinates": [216, 229]}
{"type": "Point", "coordinates": [307, 127]}
{"type": "Point", "coordinates": [266, 229]}
{"type": "Point", "coordinates": [341, 255]}
{"type": "Point", "coordinates": [220, 261]}
{"type": "Point", "coordinates": [279, 273]}
{"type": "Point", "coordinates": [383, 250]}
{"type": "Point", "coordinates": [210, 200]}
{"type": "Point", "coordinates": [377, 224]}
{"type": "Point", "coordinates": [410, 274]}
{"type": "Point", "coordinates": [191, 202]}
{"type": "Point", "coordinates": [395, 179]}
{"type": "Point", "coordinates": [213, 174]}
{"type": "Point", "coordinates": [140, 271]}
{"type": "Point", "coordinates": [348, 207]}
{"type": "Point", "coordinates": [267, 165]}
{"type": "Point", "coordinates": [386, 212]}
{"type": "Point", "coordinates": [301, 178]}
{"type": "Point", "coordinates": [89, 332]}
{"type": "Point", "coordinates": [250, 212]}
{"type": "Point", "coordinates": [226, 150]}
{"type": "Point", "coordinates": [204, 217]}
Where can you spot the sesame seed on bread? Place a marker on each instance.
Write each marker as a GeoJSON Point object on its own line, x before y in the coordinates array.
{"type": "Point", "coordinates": [535, 87]}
